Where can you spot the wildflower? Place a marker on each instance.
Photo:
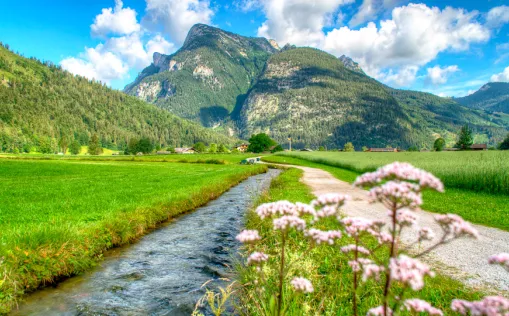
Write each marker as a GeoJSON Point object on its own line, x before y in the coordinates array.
{"type": "Point", "coordinates": [248, 236]}
{"type": "Point", "coordinates": [304, 209]}
{"type": "Point", "coordinates": [489, 306]}
{"type": "Point", "coordinates": [426, 233]}
{"type": "Point", "coordinates": [269, 210]}
{"type": "Point", "coordinates": [501, 259]}
{"type": "Point", "coordinates": [403, 193]}
{"type": "Point", "coordinates": [384, 238]}
{"type": "Point", "coordinates": [409, 271]}
{"type": "Point", "coordinates": [302, 285]}
{"type": "Point", "coordinates": [257, 258]}
{"type": "Point", "coordinates": [456, 226]}
{"type": "Point", "coordinates": [419, 306]}
{"type": "Point", "coordinates": [285, 222]}
{"type": "Point", "coordinates": [379, 311]}
{"type": "Point", "coordinates": [319, 236]}
{"type": "Point", "coordinates": [372, 270]}
{"type": "Point", "coordinates": [354, 226]}
{"type": "Point", "coordinates": [353, 248]}
{"type": "Point", "coordinates": [401, 172]}
{"type": "Point", "coordinates": [405, 218]}
{"type": "Point", "coordinates": [330, 199]}
{"type": "Point", "coordinates": [355, 265]}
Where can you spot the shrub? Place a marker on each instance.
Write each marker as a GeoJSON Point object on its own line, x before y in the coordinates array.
{"type": "Point", "coordinates": [75, 147]}
{"type": "Point", "coordinates": [260, 142]}
{"type": "Point", "coordinates": [200, 147]}
{"type": "Point", "coordinates": [439, 144]}
{"type": "Point", "coordinates": [349, 147]}
{"type": "Point", "coordinates": [505, 144]}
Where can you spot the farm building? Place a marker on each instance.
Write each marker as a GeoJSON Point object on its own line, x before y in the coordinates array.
{"type": "Point", "coordinates": [383, 150]}
{"type": "Point", "coordinates": [184, 150]}
{"type": "Point", "coordinates": [242, 148]}
{"type": "Point", "coordinates": [164, 152]}
{"type": "Point", "coordinates": [479, 147]}
{"type": "Point", "coordinates": [306, 149]}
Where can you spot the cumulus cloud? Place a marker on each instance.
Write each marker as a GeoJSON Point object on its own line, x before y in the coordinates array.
{"type": "Point", "coordinates": [437, 75]}
{"type": "Point", "coordinates": [414, 36]}
{"type": "Point", "coordinates": [247, 5]}
{"type": "Point", "coordinates": [118, 20]}
{"type": "Point", "coordinates": [299, 22]}
{"type": "Point", "coordinates": [498, 16]}
{"type": "Point", "coordinates": [501, 77]}
{"type": "Point", "coordinates": [371, 9]}
{"type": "Point", "coordinates": [95, 64]}
{"type": "Point", "coordinates": [176, 16]}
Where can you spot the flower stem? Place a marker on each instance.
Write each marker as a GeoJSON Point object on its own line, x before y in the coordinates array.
{"type": "Point", "coordinates": [356, 254]}
{"type": "Point", "coordinates": [394, 209]}
{"type": "Point", "coordinates": [281, 274]}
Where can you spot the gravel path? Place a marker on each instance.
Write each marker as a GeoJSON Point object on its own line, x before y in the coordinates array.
{"type": "Point", "coordinates": [464, 259]}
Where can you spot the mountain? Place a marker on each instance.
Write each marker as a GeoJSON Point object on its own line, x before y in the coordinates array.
{"type": "Point", "coordinates": [243, 85]}
{"type": "Point", "coordinates": [40, 103]}
{"type": "Point", "coordinates": [206, 78]}
{"type": "Point", "coordinates": [493, 97]}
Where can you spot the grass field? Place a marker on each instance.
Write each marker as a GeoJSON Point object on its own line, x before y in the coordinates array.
{"type": "Point", "coordinates": [58, 216]}
{"type": "Point", "coordinates": [478, 207]}
{"type": "Point", "coordinates": [325, 266]}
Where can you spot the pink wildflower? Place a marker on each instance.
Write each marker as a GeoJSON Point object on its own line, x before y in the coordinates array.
{"type": "Point", "coordinates": [379, 311]}
{"type": "Point", "coordinates": [305, 209]}
{"type": "Point", "coordinates": [279, 208]}
{"type": "Point", "coordinates": [248, 236]}
{"type": "Point", "coordinates": [330, 199]}
{"type": "Point", "coordinates": [501, 259]}
{"type": "Point", "coordinates": [355, 265]}
{"type": "Point", "coordinates": [409, 271]}
{"type": "Point", "coordinates": [384, 238]}
{"type": "Point", "coordinates": [405, 218]}
{"type": "Point", "coordinates": [257, 258]}
{"type": "Point", "coordinates": [426, 233]}
{"type": "Point", "coordinates": [456, 226]}
{"type": "Point", "coordinates": [353, 248]}
{"type": "Point", "coordinates": [372, 271]}
{"type": "Point", "coordinates": [400, 171]}
{"type": "Point", "coordinates": [319, 236]}
{"type": "Point", "coordinates": [403, 193]}
{"type": "Point", "coordinates": [354, 226]}
{"type": "Point", "coordinates": [286, 222]}
{"type": "Point", "coordinates": [489, 306]}
{"type": "Point", "coordinates": [419, 306]}
{"type": "Point", "coordinates": [302, 285]}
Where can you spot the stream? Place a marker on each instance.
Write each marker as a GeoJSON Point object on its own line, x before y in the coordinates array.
{"type": "Point", "coordinates": [162, 273]}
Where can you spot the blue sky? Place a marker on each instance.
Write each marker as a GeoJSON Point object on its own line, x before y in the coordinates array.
{"type": "Point", "coordinates": [446, 47]}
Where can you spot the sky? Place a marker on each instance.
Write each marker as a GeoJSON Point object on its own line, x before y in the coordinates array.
{"type": "Point", "coordinates": [446, 47]}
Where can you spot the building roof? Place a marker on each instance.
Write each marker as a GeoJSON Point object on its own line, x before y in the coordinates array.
{"type": "Point", "coordinates": [479, 146]}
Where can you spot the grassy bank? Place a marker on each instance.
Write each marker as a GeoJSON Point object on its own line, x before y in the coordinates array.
{"type": "Point", "coordinates": [478, 207]}
{"type": "Point", "coordinates": [58, 217]}
{"type": "Point", "coordinates": [219, 159]}
{"type": "Point", "coordinates": [325, 266]}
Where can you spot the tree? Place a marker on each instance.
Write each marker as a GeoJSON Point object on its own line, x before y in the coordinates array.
{"type": "Point", "coordinates": [277, 149]}
{"type": "Point", "coordinates": [63, 143]}
{"type": "Point", "coordinates": [75, 147]}
{"type": "Point", "coordinates": [171, 149]}
{"type": "Point", "coordinates": [222, 149]}
{"type": "Point", "coordinates": [213, 148]}
{"type": "Point", "coordinates": [349, 147]}
{"type": "Point", "coordinates": [44, 146]}
{"type": "Point", "coordinates": [365, 149]}
{"type": "Point", "coordinates": [94, 146]}
{"type": "Point", "coordinates": [505, 144]}
{"type": "Point", "coordinates": [321, 148]}
{"type": "Point", "coordinates": [260, 143]}
{"type": "Point", "coordinates": [132, 146]}
{"type": "Point", "coordinates": [465, 139]}
{"type": "Point", "coordinates": [199, 147]}
{"type": "Point", "coordinates": [413, 148]}
{"type": "Point", "coordinates": [144, 146]}
{"type": "Point", "coordinates": [439, 144]}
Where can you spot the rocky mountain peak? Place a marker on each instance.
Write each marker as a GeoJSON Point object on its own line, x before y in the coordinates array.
{"type": "Point", "coordinates": [350, 64]}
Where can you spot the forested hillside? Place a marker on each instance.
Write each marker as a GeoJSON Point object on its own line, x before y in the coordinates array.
{"type": "Point", "coordinates": [207, 77]}
{"type": "Point", "coordinates": [40, 105]}
{"type": "Point", "coordinates": [493, 96]}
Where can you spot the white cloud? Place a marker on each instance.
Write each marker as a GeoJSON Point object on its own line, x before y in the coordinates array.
{"type": "Point", "coordinates": [118, 20]}
{"type": "Point", "coordinates": [404, 77]}
{"type": "Point", "coordinates": [438, 75]}
{"type": "Point", "coordinates": [298, 22]}
{"type": "Point", "coordinates": [371, 9]}
{"type": "Point", "coordinates": [247, 5]}
{"type": "Point", "coordinates": [94, 64]}
{"type": "Point", "coordinates": [501, 77]}
{"type": "Point", "coordinates": [177, 16]}
{"type": "Point", "coordinates": [414, 36]}
{"type": "Point", "coordinates": [498, 16]}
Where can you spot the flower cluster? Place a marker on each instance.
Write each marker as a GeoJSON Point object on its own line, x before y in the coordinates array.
{"type": "Point", "coordinates": [355, 226]}
{"type": "Point", "coordinates": [426, 233]}
{"type": "Point", "coordinates": [302, 285]}
{"type": "Point", "coordinates": [318, 236]}
{"type": "Point", "coordinates": [257, 258]}
{"type": "Point", "coordinates": [456, 226]}
{"type": "Point", "coordinates": [371, 270]}
{"type": "Point", "coordinates": [419, 306]}
{"type": "Point", "coordinates": [248, 236]}
{"type": "Point", "coordinates": [286, 222]}
{"type": "Point", "coordinates": [379, 311]}
{"type": "Point", "coordinates": [355, 248]}
{"type": "Point", "coordinates": [409, 271]}
{"type": "Point", "coordinates": [501, 259]}
{"type": "Point", "coordinates": [405, 194]}
{"type": "Point", "coordinates": [401, 172]}
{"type": "Point", "coordinates": [405, 217]}
{"type": "Point", "coordinates": [490, 305]}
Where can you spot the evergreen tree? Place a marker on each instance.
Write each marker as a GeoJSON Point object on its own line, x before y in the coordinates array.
{"type": "Point", "coordinates": [144, 146]}
{"type": "Point", "coordinates": [75, 147]}
{"type": "Point", "coordinates": [132, 146]}
{"type": "Point", "coordinates": [94, 146]}
{"type": "Point", "coordinates": [63, 143]}
{"type": "Point", "coordinates": [505, 144]}
{"type": "Point", "coordinates": [465, 139]}
{"type": "Point", "coordinates": [439, 144]}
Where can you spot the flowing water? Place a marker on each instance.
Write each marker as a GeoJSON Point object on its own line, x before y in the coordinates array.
{"type": "Point", "coordinates": [163, 272]}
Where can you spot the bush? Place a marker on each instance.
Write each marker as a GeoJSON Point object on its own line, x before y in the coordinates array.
{"type": "Point", "coordinates": [277, 149]}
{"type": "Point", "coordinates": [75, 147]}
{"type": "Point", "coordinates": [413, 148]}
{"type": "Point", "coordinates": [439, 144]}
{"type": "Point", "coordinates": [321, 148]}
{"type": "Point", "coordinates": [260, 143]}
{"type": "Point", "coordinates": [505, 144]}
{"type": "Point", "coordinates": [200, 147]}
{"type": "Point", "coordinates": [349, 147]}
{"type": "Point", "coordinates": [213, 148]}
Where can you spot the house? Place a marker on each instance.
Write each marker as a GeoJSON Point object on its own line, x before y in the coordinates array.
{"type": "Point", "coordinates": [242, 148]}
{"type": "Point", "coordinates": [164, 152]}
{"type": "Point", "coordinates": [184, 150]}
{"type": "Point", "coordinates": [479, 147]}
{"type": "Point", "coordinates": [306, 149]}
{"type": "Point", "coordinates": [383, 150]}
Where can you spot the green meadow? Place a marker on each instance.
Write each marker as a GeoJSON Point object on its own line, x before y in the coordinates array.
{"type": "Point", "coordinates": [58, 216]}
{"type": "Point", "coordinates": [477, 183]}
